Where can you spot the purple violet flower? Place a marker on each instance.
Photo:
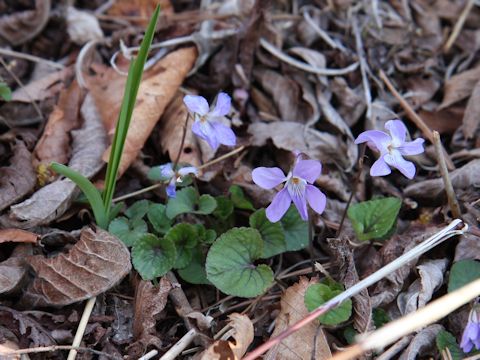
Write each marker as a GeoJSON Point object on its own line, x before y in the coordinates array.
{"type": "Point", "coordinates": [471, 333]}
{"type": "Point", "coordinates": [297, 188]}
{"type": "Point", "coordinates": [167, 172]}
{"type": "Point", "coordinates": [392, 148]}
{"type": "Point", "coordinates": [206, 121]}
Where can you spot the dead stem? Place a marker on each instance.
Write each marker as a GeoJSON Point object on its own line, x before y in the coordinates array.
{"type": "Point", "coordinates": [42, 349]}
{"type": "Point", "coordinates": [459, 25]}
{"type": "Point", "coordinates": [81, 327]}
{"type": "Point", "coordinates": [182, 143]}
{"type": "Point", "coordinates": [416, 119]}
{"type": "Point", "coordinates": [452, 199]}
{"type": "Point", "coordinates": [19, 55]}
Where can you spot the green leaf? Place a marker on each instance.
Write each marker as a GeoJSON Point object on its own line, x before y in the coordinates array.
{"type": "Point", "coordinates": [349, 334]}
{"type": "Point", "coordinates": [318, 294]}
{"type": "Point", "coordinates": [128, 231]}
{"type": "Point", "coordinates": [138, 209]}
{"type": "Point", "coordinates": [5, 91]}
{"type": "Point", "coordinates": [188, 201]}
{"type": "Point", "coordinates": [184, 236]}
{"type": "Point", "coordinates": [90, 191]}
{"type": "Point", "coordinates": [239, 199]}
{"type": "Point", "coordinates": [230, 264]}
{"type": "Point", "coordinates": [194, 272]}
{"type": "Point", "coordinates": [153, 257]}
{"type": "Point", "coordinates": [224, 207]}
{"type": "Point", "coordinates": [373, 219]}
{"type": "Point", "coordinates": [445, 340]}
{"type": "Point", "coordinates": [462, 273]}
{"type": "Point", "coordinates": [272, 234]}
{"type": "Point", "coordinates": [157, 216]}
{"type": "Point", "coordinates": [205, 236]}
{"type": "Point", "coordinates": [380, 317]}
{"type": "Point", "coordinates": [295, 230]}
{"type": "Point", "coordinates": [155, 174]}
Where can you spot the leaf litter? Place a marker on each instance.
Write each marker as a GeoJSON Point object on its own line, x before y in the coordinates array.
{"type": "Point", "coordinates": [299, 80]}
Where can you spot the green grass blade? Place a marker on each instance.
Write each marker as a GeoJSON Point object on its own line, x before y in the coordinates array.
{"type": "Point", "coordinates": [131, 90]}
{"type": "Point", "coordinates": [90, 191]}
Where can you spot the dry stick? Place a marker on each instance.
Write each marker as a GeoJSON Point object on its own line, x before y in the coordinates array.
{"type": "Point", "coordinates": [81, 327]}
{"type": "Point", "coordinates": [459, 25]}
{"type": "Point", "coordinates": [452, 199]}
{"type": "Point", "coordinates": [182, 143]}
{"type": "Point", "coordinates": [52, 348]}
{"type": "Point", "coordinates": [19, 55]}
{"type": "Point", "coordinates": [418, 250]}
{"type": "Point", "coordinates": [149, 355]}
{"type": "Point", "coordinates": [427, 132]}
{"type": "Point", "coordinates": [179, 346]}
{"type": "Point", "coordinates": [363, 67]}
{"type": "Point", "coordinates": [395, 330]}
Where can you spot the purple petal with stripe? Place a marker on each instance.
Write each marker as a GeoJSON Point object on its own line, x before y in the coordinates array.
{"type": "Point", "coordinates": [279, 206]}
{"type": "Point", "coordinates": [268, 178]}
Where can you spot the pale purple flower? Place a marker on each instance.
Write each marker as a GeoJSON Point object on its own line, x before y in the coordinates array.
{"type": "Point", "coordinates": [297, 188]}
{"type": "Point", "coordinates": [392, 147]}
{"type": "Point", "coordinates": [173, 177]}
{"type": "Point", "coordinates": [207, 125]}
{"type": "Point", "coordinates": [471, 333]}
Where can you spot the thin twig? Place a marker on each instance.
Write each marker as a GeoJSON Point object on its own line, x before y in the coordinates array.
{"type": "Point", "coordinates": [52, 348]}
{"type": "Point", "coordinates": [19, 55]}
{"type": "Point", "coordinates": [420, 249]}
{"type": "Point", "coordinates": [417, 120]}
{"type": "Point", "coordinates": [220, 158]}
{"type": "Point", "coordinates": [149, 355]}
{"type": "Point", "coordinates": [452, 199]}
{"type": "Point", "coordinates": [429, 314]}
{"type": "Point", "coordinates": [179, 346]}
{"type": "Point", "coordinates": [182, 143]}
{"type": "Point", "coordinates": [81, 327]}
{"type": "Point", "coordinates": [304, 66]}
{"type": "Point", "coordinates": [320, 32]}
{"type": "Point", "coordinates": [459, 25]}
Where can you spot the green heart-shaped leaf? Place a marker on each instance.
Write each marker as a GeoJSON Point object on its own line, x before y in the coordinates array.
{"type": "Point", "coordinates": [318, 294]}
{"type": "Point", "coordinates": [184, 236]}
{"type": "Point", "coordinates": [462, 273]}
{"type": "Point", "coordinates": [188, 201]}
{"type": "Point", "coordinates": [295, 230]}
{"type": "Point", "coordinates": [129, 231]}
{"type": "Point", "coordinates": [153, 257]}
{"type": "Point", "coordinates": [230, 263]}
{"type": "Point", "coordinates": [194, 272]}
{"type": "Point", "coordinates": [272, 234]}
{"type": "Point", "coordinates": [157, 216]}
{"type": "Point", "coordinates": [138, 209]}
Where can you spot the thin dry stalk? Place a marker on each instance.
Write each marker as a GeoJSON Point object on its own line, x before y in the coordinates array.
{"type": "Point", "coordinates": [452, 199]}
{"type": "Point", "coordinates": [427, 315]}
{"type": "Point", "coordinates": [81, 328]}
{"type": "Point", "coordinates": [179, 346]}
{"type": "Point", "coordinates": [42, 349]}
{"type": "Point", "coordinates": [417, 120]}
{"type": "Point", "coordinates": [459, 25]}
{"type": "Point", "coordinates": [19, 55]}
{"type": "Point", "coordinates": [149, 355]}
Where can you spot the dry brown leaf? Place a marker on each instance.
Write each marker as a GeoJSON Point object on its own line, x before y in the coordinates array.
{"type": "Point", "coordinates": [242, 332]}
{"type": "Point", "coordinates": [422, 343]}
{"type": "Point", "coordinates": [54, 145]}
{"type": "Point", "coordinates": [150, 301]}
{"type": "Point", "coordinates": [309, 342]}
{"type": "Point", "coordinates": [445, 121]}
{"type": "Point", "coordinates": [43, 88]}
{"type": "Point", "coordinates": [82, 26]}
{"type": "Point", "coordinates": [460, 86]}
{"type": "Point", "coordinates": [17, 235]}
{"type": "Point", "coordinates": [51, 201]}
{"type": "Point", "coordinates": [472, 113]}
{"type": "Point", "coordinates": [328, 148]}
{"type": "Point", "coordinates": [155, 93]}
{"type": "Point", "coordinates": [97, 262]}
{"type": "Point", "coordinates": [171, 132]}
{"type": "Point", "coordinates": [19, 27]}
{"type": "Point", "coordinates": [14, 269]}
{"type": "Point", "coordinates": [351, 102]}
{"type": "Point", "coordinates": [18, 179]}
{"type": "Point", "coordinates": [139, 8]}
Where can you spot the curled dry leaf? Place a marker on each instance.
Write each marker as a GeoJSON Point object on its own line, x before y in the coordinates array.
{"type": "Point", "coordinates": [17, 235]}
{"type": "Point", "coordinates": [18, 179]}
{"type": "Point", "coordinates": [93, 265]}
{"type": "Point", "coordinates": [445, 121]}
{"type": "Point", "coordinates": [155, 93]}
{"type": "Point", "coordinates": [51, 201]}
{"type": "Point", "coordinates": [82, 26]}
{"type": "Point", "coordinates": [140, 10]}
{"type": "Point", "coordinates": [463, 178]}
{"type": "Point", "coordinates": [422, 342]}
{"type": "Point", "coordinates": [460, 86]}
{"type": "Point", "coordinates": [54, 145]}
{"type": "Point", "coordinates": [472, 113]}
{"type": "Point", "coordinates": [171, 129]}
{"type": "Point", "coordinates": [14, 269]}
{"type": "Point", "coordinates": [290, 136]}
{"type": "Point", "coordinates": [421, 290]}
{"type": "Point", "coordinates": [19, 27]}
{"type": "Point", "coordinates": [242, 332]}
{"type": "Point", "coordinates": [150, 301]}
{"type": "Point", "coordinates": [309, 342]}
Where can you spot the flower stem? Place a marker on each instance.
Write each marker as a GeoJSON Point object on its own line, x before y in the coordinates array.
{"type": "Point", "coordinates": [182, 143]}
{"type": "Point", "coordinates": [220, 158]}
{"type": "Point", "coordinates": [311, 234]}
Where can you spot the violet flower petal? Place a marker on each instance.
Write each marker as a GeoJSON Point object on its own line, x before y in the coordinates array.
{"type": "Point", "coordinates": [223, 105]}
{"type": "Point", "coordinates": [224, 134]}
{"type": "Point", "coordinates": [412, 147]}
{"type": "Point", "coordinates": [170, 189]}
{"type": "Point", "coordinates": [279, 206]}
{"type": "Point", "coordinates": [205, 131]}
{"type": "Point", "coordinates": [309, 170]}
{"type": "Point", "coordinates": [166, 170]}
{"type": "Point", "coordinates": [316, 199]}
{"type": "Point", "coordinates": [268, 178]}
{"type": "Point", "coordinates": [380, 168]}
{"type": "Point", "coordinates": [196, 104]}
{"type": "Point", "coordinates": [380, 139]}
{"type": "Point", "coordinates": [187, 170]}
{"type": "Point", "coordinates": [470, 331]}
{"type": "Point", "coordinates": [301, 204]}
{"type": "Point", "coordinates": [397, 130]}
{"type": "Point", "coordinates": [396, 160]}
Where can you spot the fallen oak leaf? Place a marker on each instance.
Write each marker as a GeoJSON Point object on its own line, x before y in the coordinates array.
{"type": "Point", "coordinates": [17, 235]}
{"type": "Point", "coordinates": [471, 119]}
{"type": "Point", "coordinates": [14, 269]}
{"type": "Point", "coordinates": [97, 262]}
